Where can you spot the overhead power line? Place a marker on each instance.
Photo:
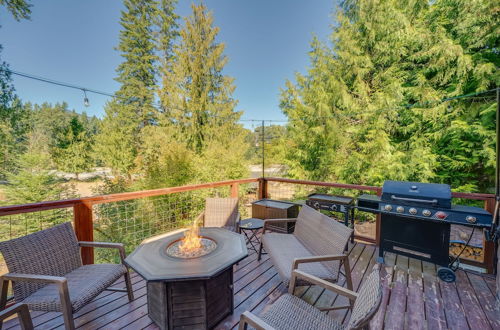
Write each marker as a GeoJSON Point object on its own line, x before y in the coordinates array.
{"type": "Point", "coordinates": [86, 90]}
{"type": "Point", "coordinates": [59, 83]}
{"type": "Point", "coordinates": [302, 118]}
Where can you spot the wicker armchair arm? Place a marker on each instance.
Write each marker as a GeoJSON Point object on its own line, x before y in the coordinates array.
{"type": "Point", "coordinates": [247, 318]}
{"type": "Point", "coordinates": [344, 259]}
{"type": "Point", "coordinates": [332, 257]}
{"type": "Point", "coordinates": [17, 277]}
{"type": "Point", "coordinates": [23, 314]}
{"type": "Point", "coordinates": [351, 295]}
{"type": "Point", "coordinates": [268, 222]}
{"type": "Point", "coordinates": [106, 245]}
{"type": "Point", "coordinates": [61, 285]}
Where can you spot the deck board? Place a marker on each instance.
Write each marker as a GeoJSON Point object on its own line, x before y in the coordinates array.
{"type": "Point", "coordinates": [413, 297]}
{"type": "Point", "coordinates": [415, 311]}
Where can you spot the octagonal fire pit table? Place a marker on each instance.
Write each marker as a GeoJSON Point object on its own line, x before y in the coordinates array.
{"type": "Point", "coordinates": [189, 291]}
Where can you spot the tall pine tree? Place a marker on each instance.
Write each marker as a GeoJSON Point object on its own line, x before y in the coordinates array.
{"type": "Point", "coordinates": [197, 100]}
{"type": "Point", "coordinates": [196, 95]}
{"type": "Point", "coordinates": [133, 108]}
{"type": "Point", "coordinates": [384, 54]}
{"type": "Point", "coordinates": [13, 123]}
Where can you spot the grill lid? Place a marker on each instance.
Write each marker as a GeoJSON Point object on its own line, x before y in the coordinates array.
{"type": "Point", "coordinates": [417, 193]}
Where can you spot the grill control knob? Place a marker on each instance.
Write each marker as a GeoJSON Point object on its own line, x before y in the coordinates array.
{"type": "Point", "coordinates": [400, 209]}
{"type": "Point", "coordinates": [470, 219]}
{"type": "Point", "coordinates": [388, 208]}
{"type": "Point", "coordinates": [413, 211]}
{"type": "Point", "coordinates": [441, 215]}
{"type": "Point", "coordinates": [316, 205]}
{"type": "Point", "coordinates": [426, 213]}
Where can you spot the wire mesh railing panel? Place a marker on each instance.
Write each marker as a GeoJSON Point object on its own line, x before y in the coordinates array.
{"type": "Point", "coordinates": [248, 193]}
{"type": "Point", "coordinates": [21, 224]}
{"type": "Point", "coordinates": [131, 221]}
{"type": "Point", "coordinates": [365, 225]}
{"type": "Point", "coordinates": [289, 191]}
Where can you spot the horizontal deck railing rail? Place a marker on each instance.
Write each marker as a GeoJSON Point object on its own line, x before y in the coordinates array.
{"type": "Point", "coordinates": [88, 211]}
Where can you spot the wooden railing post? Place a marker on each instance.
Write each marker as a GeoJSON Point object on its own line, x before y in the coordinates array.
{"type": "Point", "coordinates": [84, 229]}
{"type": "Point", "coordinates": [262, 188]}
{"type": "Point", "coordinates": [489, 246]}
{"type": "Point", "coordinates": [235, 190]}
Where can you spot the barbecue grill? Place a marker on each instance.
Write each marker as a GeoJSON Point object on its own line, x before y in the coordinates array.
{"type": "Point", "coordinates": [416, 219]}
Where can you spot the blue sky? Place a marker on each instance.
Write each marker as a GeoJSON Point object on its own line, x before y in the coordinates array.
{"type": "Point", "coordinates": [267, 41]}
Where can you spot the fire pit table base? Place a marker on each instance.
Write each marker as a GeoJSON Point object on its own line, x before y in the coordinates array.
{"type": "Point", "coordinates": [198, 304]}
{"type": "Point", "coordinates": [189, 293]}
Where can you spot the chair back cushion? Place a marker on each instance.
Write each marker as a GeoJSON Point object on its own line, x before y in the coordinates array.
{"type": "Point", "coordinates": [321, 234]}
{"type": "Point", "coordinates": [53, 251]}
{"type": "Point", "coordinates": [367, 302]}
{"type": "Point", "coordinates": [221, 212]}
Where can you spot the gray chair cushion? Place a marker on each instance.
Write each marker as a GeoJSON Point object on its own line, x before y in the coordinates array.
{"type": "Point", "coordinates": [284, 248]}
{"type": "Point", "coordinates": [84, 284]}
{"type": "Point", "coordinates": [290, 312]}
{"type": "Point", "coordinates": [53, 251]}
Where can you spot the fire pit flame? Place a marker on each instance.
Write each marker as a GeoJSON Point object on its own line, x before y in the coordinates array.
{"type": "Point", "coordinates": [191, 240]}
{"type": "Point", "coordinates": [192, 245]}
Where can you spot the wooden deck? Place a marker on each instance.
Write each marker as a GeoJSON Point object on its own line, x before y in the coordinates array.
{"type": "Point", "coordinates": [413, 297]}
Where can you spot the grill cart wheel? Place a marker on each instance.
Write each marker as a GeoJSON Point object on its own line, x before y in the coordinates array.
{"type": "Point", "coordinates": [446, 274]}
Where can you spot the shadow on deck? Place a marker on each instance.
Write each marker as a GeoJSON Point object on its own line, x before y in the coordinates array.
{"type": "Point", "coordinates": [413, 297]}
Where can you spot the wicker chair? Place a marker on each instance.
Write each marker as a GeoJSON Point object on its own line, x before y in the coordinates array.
{"type": "Point", "coordinates": [23, 314]}
{"type": "Point", "coordinates": [47, 272]}
{"type": "Point", "coordinates": [316, 246]}
{"type": "Point", "coordinates": [291, 312]}
{"type": "Point", "coordinates": [221, 212]}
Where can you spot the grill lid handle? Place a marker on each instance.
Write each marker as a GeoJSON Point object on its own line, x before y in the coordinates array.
{"type": "Point", "coordinates": [415, 200]}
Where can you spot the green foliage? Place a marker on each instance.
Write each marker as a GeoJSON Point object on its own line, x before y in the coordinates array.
{"type": "Point", "coordinates": [274, 140]}
{"type": "Point", "coordinates": [196, 95]}
{"type": "Point", "coordinates": [13, 123]}
{"type": "Point", "coordinates": [116, 144]}
{"type": "Point", "coordinates": [198, 106]}
{"type": "Point", "coordinates": [20, 9]}
{"type": "Point", "coordinates": [63, 134]}
{"type": "Point", "coordinates": [347, 124]}
{"type": "Point", "coordinates": [73, 148]}
{"type": "Point", "coordinates": [164, 160]}
{"type": "Point", "coordinates": [132, 109]}
{"type": "Point", "coordinates": [33, 182]}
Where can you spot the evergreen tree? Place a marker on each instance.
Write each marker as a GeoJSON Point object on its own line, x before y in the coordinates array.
{"type": "Point", "coordinates": [166, 34]}
{"type": "Point", "coordinates": [196, 95]}
{"type": "Point", "coordinates": [164, 160]}
{"type": "Point", "coordinates": [20, 9]}
{"type": "Point", "coordinates": [73, 148]}
{"type": "Point", "coordinates": [133, 108]}
{"type": "Point", "coordinates": [13, 122]}
{"type": "Point", "coordinates": [32, 180]}
{"type": "Point", "coordinates": [197, 100]}
{"type": "Point", "coordinates": [346, 120]}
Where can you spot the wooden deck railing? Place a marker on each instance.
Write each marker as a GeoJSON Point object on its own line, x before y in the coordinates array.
{"type": "Point", "coordinates": [83, 216]}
